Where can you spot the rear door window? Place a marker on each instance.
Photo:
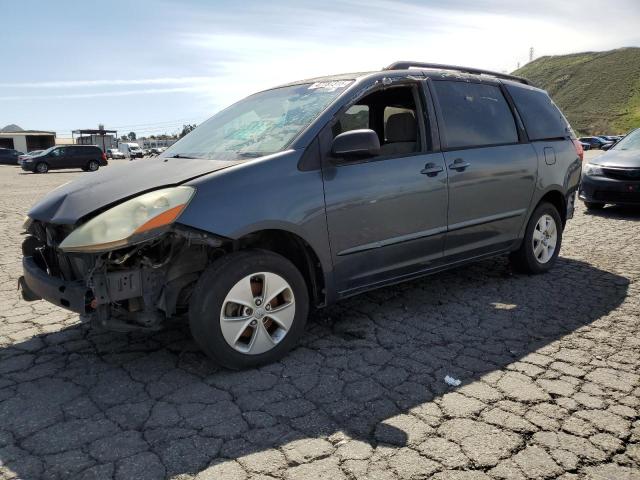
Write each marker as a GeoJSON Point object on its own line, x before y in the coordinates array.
{"type": "Point", "coordinates": [542, 118]}
{"type": "Point", "coordinates": [474, 115]}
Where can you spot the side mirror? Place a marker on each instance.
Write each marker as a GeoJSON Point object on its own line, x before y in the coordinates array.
{"type": "Point", "coordinates": [356, 144]}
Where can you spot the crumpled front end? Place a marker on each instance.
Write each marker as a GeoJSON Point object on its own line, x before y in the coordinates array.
{"type": "Point", "coordinates": [135, 287]}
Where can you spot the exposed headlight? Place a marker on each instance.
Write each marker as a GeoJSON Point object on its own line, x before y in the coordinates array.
{"type": "Point", "coordinates": [133, 221]}
{"type": "Point", "coordinates": [593, 170]}
{"type": "Point", "coordinates": [27, 222]}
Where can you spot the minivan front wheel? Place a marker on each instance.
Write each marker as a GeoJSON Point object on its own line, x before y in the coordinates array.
{"type": "Point", "coordinates": [249, 308]}
{"type": "Point", "coordinates": [541, 244]}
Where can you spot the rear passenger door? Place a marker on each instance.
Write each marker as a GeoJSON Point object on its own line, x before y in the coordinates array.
{"type": "Point", "coordinates": [492, 169]}
{"type": "Point", "coordinates": [77, 157]}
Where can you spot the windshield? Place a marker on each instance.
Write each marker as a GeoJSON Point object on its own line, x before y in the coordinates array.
{"type": "Point", "coordinates": [630, 142]}
{"type": "Point", "coordinates": [259, 125]}
{"type": "Point", "coordinates": [44, 152]}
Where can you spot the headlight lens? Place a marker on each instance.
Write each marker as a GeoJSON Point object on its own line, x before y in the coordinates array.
{"type": "Point", "coordinates": [593, 170]}
{"type": "Point", "coordinates": [130, 222]}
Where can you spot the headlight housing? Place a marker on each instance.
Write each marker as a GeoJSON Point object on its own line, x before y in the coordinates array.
{"type": "Point", "coordinates": [593, 170]}
{"type": "Point", "coordinates": [133, 221]}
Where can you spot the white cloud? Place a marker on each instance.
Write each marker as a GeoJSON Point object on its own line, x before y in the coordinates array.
{"type": "Point", "coordinates": [115, 93]}
{"type": "Point", "coordinates": [107, 82]}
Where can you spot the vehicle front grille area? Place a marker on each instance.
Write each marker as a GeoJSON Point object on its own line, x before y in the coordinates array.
{"type": "Point", "coordinates": [627, 174]}
{"type": "Point", "coordinates": [617, 197]}
{"type": "Point", "coordinates": [41, 245]}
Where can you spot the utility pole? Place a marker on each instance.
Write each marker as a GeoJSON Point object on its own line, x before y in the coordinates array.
{"type": "Point", "coordinates": [531, 54]}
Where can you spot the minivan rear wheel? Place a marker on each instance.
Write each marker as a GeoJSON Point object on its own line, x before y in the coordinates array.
{"type": "Point", "coordinates": [542, 240]}
{"type": "Point", "coordinates": [249, 308]}
{"type": "Point", "coordinates": [92, 166]}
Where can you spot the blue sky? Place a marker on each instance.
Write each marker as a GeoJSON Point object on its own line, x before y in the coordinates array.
{"type": "Point", "coordinates": [152, 65]}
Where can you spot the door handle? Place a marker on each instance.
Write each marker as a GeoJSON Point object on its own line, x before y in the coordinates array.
{"type": "Point", "coordinates": [431, 169]}
{"type": "Point", "coordinates": [459, 165]}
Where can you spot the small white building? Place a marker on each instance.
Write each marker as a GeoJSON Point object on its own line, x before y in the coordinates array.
{"type": "Point", "coordinates": [25, 141]}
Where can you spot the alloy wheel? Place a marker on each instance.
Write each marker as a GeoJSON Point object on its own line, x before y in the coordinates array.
{"type": "Point", "coordinates": [545, 238]}
{"type": "Point", "coordinates": [257, 313]}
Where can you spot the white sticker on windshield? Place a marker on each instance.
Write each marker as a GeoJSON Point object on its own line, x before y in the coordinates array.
{"type": "Point", "coordinates": [330, 86]}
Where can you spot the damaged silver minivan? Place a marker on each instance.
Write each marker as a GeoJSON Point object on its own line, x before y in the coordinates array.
{"type": "Point", "coordinates": [301, 195]}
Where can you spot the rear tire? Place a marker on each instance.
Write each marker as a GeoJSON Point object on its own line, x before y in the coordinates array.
{"type": "Point", "coordinates": [231, 317]}
{"type": "Point", "coordinates": [594, 205]}
{"type": "Point", "coordinates": [42, 168]}
{"type": "Point", "coordinates": [92, 166]}
{"type": "Point", "coordinates": [541, 243]}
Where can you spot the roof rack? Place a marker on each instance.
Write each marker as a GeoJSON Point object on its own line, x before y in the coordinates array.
{"type": "Point", "coordinates": [476, 71]}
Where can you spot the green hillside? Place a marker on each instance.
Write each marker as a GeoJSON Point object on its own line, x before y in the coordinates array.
{"type": "Point", "coordinates": [599, 92]}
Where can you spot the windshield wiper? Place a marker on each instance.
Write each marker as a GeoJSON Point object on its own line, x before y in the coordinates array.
{"type": "Point", "coordinates": [179, 155]}
{"type": "Point", "coordinates": [250, 154]}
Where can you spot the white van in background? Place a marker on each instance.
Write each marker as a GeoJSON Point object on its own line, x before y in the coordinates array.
{"type": "Point", "coordinates": [131, 150]}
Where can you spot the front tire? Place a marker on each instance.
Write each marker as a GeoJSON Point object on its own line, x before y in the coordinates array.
{"type": "Point", "coordinates": [542, 240]}
{"type": "Point", "coordinates": [42, 167]}
{"type": "Point", "coordinates": [249, 308]}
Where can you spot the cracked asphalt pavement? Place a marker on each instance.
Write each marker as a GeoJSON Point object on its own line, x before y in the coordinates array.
{"type": "Point", "coordinates": [549, 365]}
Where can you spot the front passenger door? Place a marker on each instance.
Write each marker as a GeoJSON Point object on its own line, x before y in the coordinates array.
{"type": "Point", "coordinates": [386, 215]}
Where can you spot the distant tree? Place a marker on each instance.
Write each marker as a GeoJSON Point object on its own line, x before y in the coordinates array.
{"type": "Point", "coordinates": [132, 135]}
{"type": "Point", "coordinates": [186, 129]}
{"type": "Point", "coordinates": [152, 137]}
{"type": "Point", "coordinates": [124, 138]}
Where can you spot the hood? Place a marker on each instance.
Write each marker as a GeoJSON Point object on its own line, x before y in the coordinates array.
{"type": "Point", "coordinates": [72, 201]}
{"type": "Point", "coordinates": [619, 158]}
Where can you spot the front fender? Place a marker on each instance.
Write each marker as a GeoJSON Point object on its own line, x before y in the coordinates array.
{"type": "Point", "coordinates": [270, 193]}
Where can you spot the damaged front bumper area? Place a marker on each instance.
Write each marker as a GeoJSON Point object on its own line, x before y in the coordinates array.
{"type": "Point", "coordinates": [132, 288]}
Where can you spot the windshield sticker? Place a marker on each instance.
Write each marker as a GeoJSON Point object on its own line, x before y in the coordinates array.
{"type": "Point", "coordinates": [330, 86]}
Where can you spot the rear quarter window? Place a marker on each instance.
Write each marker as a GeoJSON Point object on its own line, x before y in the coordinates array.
{"type": "Point", "coordinates": [542, 118]}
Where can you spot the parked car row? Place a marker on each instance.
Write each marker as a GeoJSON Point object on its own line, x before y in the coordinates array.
{"type": "Point", "coordinates": [132, 150]}
{"type": "Point", "coordinates": [599, 142]}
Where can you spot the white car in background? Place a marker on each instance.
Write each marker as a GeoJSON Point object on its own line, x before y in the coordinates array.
{"type": "Point", "coordinates": [115, 154]}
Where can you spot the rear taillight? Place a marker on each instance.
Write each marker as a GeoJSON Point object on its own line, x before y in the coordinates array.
{"type": "Point", "coordinates": [579, 149]}
{"type": "Point", "coordinates": [104, 157]}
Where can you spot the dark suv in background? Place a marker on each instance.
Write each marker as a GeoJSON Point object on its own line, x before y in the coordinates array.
{"type": "Point", "coordinates": [86, 157]}
{"type": "Point", "coordinates": [9, 156]}
{"type": "Point", "coordinates": [305, 194]}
